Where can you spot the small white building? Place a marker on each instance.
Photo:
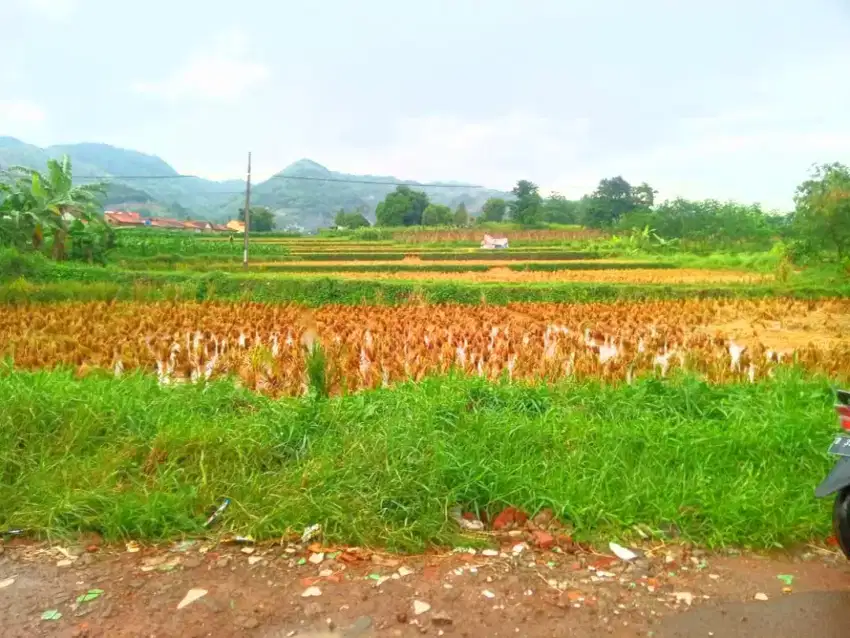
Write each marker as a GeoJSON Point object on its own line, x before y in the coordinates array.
{"type": "Point", "coordinates": [491, 243]}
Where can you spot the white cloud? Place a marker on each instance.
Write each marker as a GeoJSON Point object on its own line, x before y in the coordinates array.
{"type": "Point", "coordinates": [222, 73]}
{"type": "Point", "coordinates": [56, 9]}
{"type": "Point", "coordinates": [493, 151]}
{"type": "Point", "coordinates": [14, 113]}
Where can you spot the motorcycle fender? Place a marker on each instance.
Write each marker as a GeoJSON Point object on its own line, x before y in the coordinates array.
{"type": "Point", "coordinates": [837, 480]}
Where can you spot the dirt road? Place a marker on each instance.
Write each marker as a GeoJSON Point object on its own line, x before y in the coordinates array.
{"type": "Point", "coordinates": [519, 591]}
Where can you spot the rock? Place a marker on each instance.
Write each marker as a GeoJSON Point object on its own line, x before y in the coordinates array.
{"type": "Point", "coordinates": [441, 618]}
{"type": "Point", "coordinates": [85, 560]}
{"type": "Point", "coordinates": [543, 540]}
{"type": "Point", "coordinates": [192, 562]}
{"type": "Point", "coordinates": [420, 607]}
{"type": "Point", "coordinates": [509, 518]}
{"type": "Point", "coordinates": [311, 592]}
{"type": "Point", "coordinates": [224, 561]}
{"type": "Point", "coordinates": [359, 626]}
{"type": "Point", "coordinates": [760, 596]}
{"type": "Point", "coordinates": [248, 622]}
{"type": "Point", "coordinates": [544, 518]}
{"type": "Point", "coordinates": [313, 610]}
{"type": "Point", "coordinates": [317, 558]}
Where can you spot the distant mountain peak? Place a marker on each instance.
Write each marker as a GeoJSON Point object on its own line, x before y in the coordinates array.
{"type": "Point", "coordinates": [305, 167]}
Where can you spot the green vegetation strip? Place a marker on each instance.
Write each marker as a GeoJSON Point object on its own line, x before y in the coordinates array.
{"type": "Point", "coordinates": [25, 284]}
{"type": "Point", "coordinates": [732, 464]}
{"type": "Point", "coordinates": [414, 268]}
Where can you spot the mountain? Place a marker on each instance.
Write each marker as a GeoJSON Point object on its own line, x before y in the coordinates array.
{"type": "Point", "coordinates": [304, 194]}
{"type": "Point", "coordinates": [307, 194]}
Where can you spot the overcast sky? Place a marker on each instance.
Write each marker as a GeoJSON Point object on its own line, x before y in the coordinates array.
{"type": "Point", "coordinates": [731, 99]}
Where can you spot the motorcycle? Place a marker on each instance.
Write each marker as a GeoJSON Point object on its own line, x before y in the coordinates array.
{"type": "Point", "coordinates": [838, 481]}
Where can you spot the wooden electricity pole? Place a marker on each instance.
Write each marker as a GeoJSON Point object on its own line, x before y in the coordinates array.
{"type": "Point", "coordinates": [247, 213]}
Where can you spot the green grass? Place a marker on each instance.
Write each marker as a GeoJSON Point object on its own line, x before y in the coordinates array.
{"type": "Point", "coordinates": [732, 464]}
{"type": "Point", "coordinates": [50, 283]}
{"type": "Point", "coordinates": [391, 267]}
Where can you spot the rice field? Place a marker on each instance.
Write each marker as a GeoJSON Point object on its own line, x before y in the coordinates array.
{"type": "Point", "coordinates": [268, 346]}
{"type": "Point", "coordinates": [503, 274]}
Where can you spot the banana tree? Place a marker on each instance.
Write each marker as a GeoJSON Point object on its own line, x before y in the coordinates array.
{"type": "Point", "coordinates": [34, 204]}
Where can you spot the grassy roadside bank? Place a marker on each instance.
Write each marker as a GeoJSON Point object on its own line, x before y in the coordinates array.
{"type": "Point", "coordinates": [731, 464]}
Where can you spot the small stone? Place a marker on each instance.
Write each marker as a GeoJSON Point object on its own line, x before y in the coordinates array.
{"type": "Point", "coordinates": [224, 561]}
{"type": "Point", "coordinates": [313, 610]}
{"type": "Point", "coordinates": [441, 618]}
{"type": "Point", "coordinates": [405, 571]}
{"type": "Point", "coordinates": [317, 558]}
{"type": "Point", "coordinates": [248, 622]}
{"type": "Point", "coordinates": [248, 550]}
{"type": "Point", "coordinates": [253, 560]}
{"type": "Point", "coordinates": [420, 607]}
{"type": "Point", "coordinates": [543, 540]}
{"type": "Point", "coordinates": [311, 592]}
{"type": "Point", "coordinates": [684, 597]}
{"type": "Point", "coordinates": [489, 552]}
{"type": "Point", "coordinates": [192, 562]}
{"type": "Point", "coordinates": [401, 617]}
{"type": "Point", "coordinates": [760, 596]}
{"type": "Point", "coordinates": [359, 626]}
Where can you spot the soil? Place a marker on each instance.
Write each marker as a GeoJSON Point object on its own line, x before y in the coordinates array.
{"type": "Point", "coordinates": [664, 591]}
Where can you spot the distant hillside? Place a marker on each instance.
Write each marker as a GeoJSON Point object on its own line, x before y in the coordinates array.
{"type": "Point", "coordinates": [304, 194]}
{"type": "Point", "coordinates": [299, 194]}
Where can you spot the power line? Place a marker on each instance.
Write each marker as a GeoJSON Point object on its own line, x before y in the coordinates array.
{"type": "Point", "coordinates": [295, 177]}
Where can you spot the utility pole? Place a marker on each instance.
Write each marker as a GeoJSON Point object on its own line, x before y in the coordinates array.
{"type": "Point", "coordinates": [247, 213]}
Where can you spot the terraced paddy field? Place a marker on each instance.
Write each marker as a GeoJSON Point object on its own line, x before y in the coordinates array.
{"type": "Point", "coordinates": [269, 346]}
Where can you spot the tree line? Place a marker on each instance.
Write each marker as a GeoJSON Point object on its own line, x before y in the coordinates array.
{"type": "Point", "coordinates": [820, 221]}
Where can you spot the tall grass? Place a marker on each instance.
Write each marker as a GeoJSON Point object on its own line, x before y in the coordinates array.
{"type": "Point", "coordinates": [732, 464]}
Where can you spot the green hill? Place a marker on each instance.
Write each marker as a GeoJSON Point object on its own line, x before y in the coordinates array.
{"type": "Point", "coordinates": [304, 194]}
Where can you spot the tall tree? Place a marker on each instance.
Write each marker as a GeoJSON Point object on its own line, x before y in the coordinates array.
{"type": "Point", "coordinates": [644, 195]}
{"type": "Point", "coordinates": [822, 215]}
{"type": "Point", "coordinates": [494, 210]}
{"type": "Point", "coordinates": [262, 219]}
{"type": "Point", "coordinates": [560, 210]}
{"type": "Point", "coordinates": [402, 207]}
{"type": "Point", "coordinates": [526, 208]}
{"type": "Point", "coordinates": [437, 215]}
{"type": "Point", "coordinates": [461, 216]}
{"type": "Point", "coordinates": [612, 199]}
{"type": "Point", "coordinates": [351, 220]}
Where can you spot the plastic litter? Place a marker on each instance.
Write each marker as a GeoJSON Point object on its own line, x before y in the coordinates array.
{"type": "Point", "coordinates": [90, 595]}
{"type": "Point", "coordinates": [788, 579]}
{"type": "Point", "coordinates": [218, 512]}
{"type": "Point", "coordinates": [311, 532]}
{"type": "Point", "coordinates": [191, 596]}
{"type": "Point", "coordinates": [622, 552]}
{"type": "Point", "coordinates": [51, 614]}
{"type": "Point", "coordinates": [6, 583]}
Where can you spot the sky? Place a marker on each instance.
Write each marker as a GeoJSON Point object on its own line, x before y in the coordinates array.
{"type": "Point", "coordinates": [728, 99]}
